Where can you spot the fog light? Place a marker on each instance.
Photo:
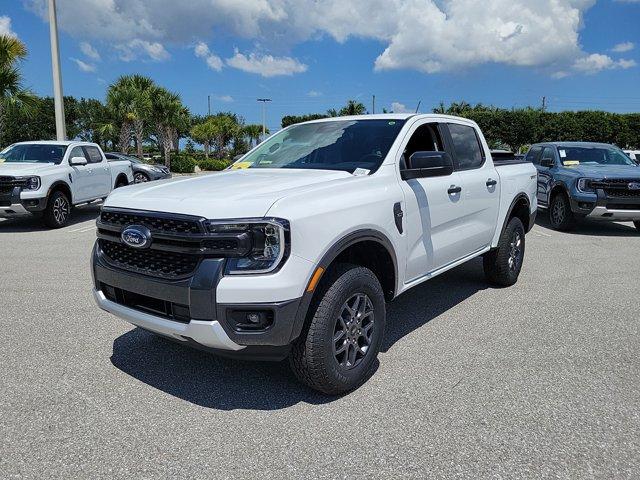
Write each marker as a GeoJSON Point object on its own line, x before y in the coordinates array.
{"type": "Point", "coordinates": [243, 320]}
{"type": "Point", "coordinates": [253, 318]}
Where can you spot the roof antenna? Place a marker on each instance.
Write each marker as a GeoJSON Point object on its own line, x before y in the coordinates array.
{"type": "Point", "coordinates": [418, 107]}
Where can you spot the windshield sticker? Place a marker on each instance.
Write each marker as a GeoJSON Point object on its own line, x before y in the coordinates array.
{"type": "Point", "coordinates": [563, 154]}
{"type": "Point", "coordinates": [392, 123]}
{"type": "Point", "coordinates": [361, 172]}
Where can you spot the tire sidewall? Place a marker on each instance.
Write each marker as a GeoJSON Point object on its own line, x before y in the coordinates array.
{"type": "Point", "coordinates": [566, 221]}
{"type": "Point", "coordinates": [356, 283]}
{"type": "Point", "coordinates": [50, 217]}
{"type": "Point", "coordinates": [515, 225]}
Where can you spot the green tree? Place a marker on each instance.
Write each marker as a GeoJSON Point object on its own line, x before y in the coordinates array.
{"type": "Point", "coordinates": [352, 108]}
{"type": "Point", "coordinates": [13, 94]}
{"type": "Point", "coordinates": [253, 132]}
{"type": "Point", "coordinates": [167, 113]}
{"type": "Point", "coordinates": [204, 133]}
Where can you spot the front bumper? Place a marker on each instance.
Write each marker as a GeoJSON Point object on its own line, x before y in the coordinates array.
{"type": "Point", "coordinates": [12, 205]}
{"type": "Point", "coordinates": [600, 206]}
{"type": "Point", "coordinates": [189, 310]}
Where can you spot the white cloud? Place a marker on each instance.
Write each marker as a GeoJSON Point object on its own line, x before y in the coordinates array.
{"type": "Point", "coordinates": [398, 107]}
{"type": "Point", "coordinates": [597, 62]}
{"type": "Point", "coordinates": [314, 93]}
{"type": "Point", "coordinates": [266, 65]}
{"type": "Point", "coordinates": [5, 26]}
{"type": "Point", "coordinates": [83, 66]}
{"type": "Point", "coordinates": [137, 47]}
{"type": "Point", "coordinates": [623, 47]}
{"type": "Point", "coordinates": [90, 52]}
{"type": "Point", "coordinates": [225, 98]}
{"type": "Point", "coordinates": [214, 62]}
{"type": "Point", "coordinates": [426, 35]}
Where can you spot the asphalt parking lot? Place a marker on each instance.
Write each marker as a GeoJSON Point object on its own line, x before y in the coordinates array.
{"type": "Point", "coordinates": [538, 380]}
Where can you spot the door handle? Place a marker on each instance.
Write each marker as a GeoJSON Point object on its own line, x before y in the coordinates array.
{"type": "Point", "coordinates": [491, 182]}
{"type": "Point", "coordinates": [453, 190]}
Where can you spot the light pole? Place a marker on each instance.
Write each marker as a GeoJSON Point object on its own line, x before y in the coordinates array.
{"type": "Point", "coordinates": [264, 115]}
{"type": "Point", "coordinates": [61, 129]}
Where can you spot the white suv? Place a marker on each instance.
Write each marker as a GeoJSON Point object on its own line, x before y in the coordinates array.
{"type": "Point", "coordinates": [298, 254]}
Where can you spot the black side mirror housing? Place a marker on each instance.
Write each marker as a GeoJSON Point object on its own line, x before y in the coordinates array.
{"type": "Point", "coordinates": [547, 162]}
{"type": "Point", "coordinates": [428, 164]}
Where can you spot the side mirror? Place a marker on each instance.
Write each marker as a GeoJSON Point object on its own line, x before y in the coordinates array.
{"type": "Point", "coordinates": [547, 162]}
{"type": "Point", "coordinates": [77, 161]}
{"type": "Point", "coordinates": [428, 164]}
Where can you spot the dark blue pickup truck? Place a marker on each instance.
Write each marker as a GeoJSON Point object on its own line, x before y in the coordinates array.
{"type": "Point", "coordinates": [582, 179]}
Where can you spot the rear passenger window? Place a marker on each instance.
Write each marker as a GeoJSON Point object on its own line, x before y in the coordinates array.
{"type": "Point", "coordinates": [533, 155]}
{"type": "Point", "coordinates": [93, 154]}
{"type": "Point", "coordinates": [468, 153]}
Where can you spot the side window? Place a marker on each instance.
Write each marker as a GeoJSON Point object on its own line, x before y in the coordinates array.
{"type": "Point", "coordinates": [110, 156]}
{"type": "Point", "coordinates": [77, 152]}
{"type": "Point", "coordinates": [547, 154]}
{"type": "Point", "coordinates": [533, 155]}
{"type": "Point", "coordinates": [93, 155]}
{"type": "Point", "coordinates": [426, 138]}
{"type": "Point", "coordinates": [468, 152]}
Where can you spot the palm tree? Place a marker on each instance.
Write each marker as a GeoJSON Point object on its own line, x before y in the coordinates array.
{"type": "Point", "coordinates": [253, 132]}
{"type": "Point", "coordinates": [168, 114]}
{"type": "Point", "coordinates": [353, 108]}
{"type": "Point", "coordinates": [120, 102]}
{"type": "Point", "coordinates": [12, 92]}
{"type": "Point", "coordinates": [204, 133]}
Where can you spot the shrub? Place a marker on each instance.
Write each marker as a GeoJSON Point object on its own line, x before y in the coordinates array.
{"type": "Point", "coordinates": [213, 165]}
{"type": "Point", "coordinates": [182, 164]}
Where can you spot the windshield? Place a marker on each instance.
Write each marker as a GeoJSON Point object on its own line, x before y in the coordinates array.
{"type": "Point", "coordinates": [593, 156]}
{"type": "Point", "coordinates": [33, 153]}
{"type": "Point", "coordinates": [344, 145]}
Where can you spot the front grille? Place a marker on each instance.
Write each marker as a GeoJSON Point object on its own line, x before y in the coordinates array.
{"type": "Point", "coordinates": [7, 184]}
{"type": "Point", "coordinates": [143, 303]}
{"type": "Point", "coordinates": [155, 223]}
{"type": "Point", "coordinates": [157, 263]}
{"type": "Point", "coordinates": [619, 187]}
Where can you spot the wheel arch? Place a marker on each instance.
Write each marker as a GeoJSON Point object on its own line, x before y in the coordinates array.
{"type": "Point", "coordinates": [64, 187]}
{"type": "Point", "coordinates": [121, 178]}
{"type": "Point", "coordinates": [521, 208]}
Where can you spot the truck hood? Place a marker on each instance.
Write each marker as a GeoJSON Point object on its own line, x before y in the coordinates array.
{"type": "Point", "coordinates": [23, 169]}
{"type": "Point", "coordinates": [607, 171]}
{"type": "Point", "coordinates": [228, 194]}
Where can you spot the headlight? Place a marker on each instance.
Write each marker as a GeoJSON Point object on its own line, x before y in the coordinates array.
{"type": "Point", "coordinates": [585, 185]}
{"type": "Point", "coordinates": [269, 243]}
{"type": "Point", "coordinates": [32, 183]}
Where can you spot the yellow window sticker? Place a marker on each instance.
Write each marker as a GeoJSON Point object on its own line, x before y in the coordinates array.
{"type": "Point", "coordinates": [569, 163]}
{"type": "Point", "coordinates": [240, 165]}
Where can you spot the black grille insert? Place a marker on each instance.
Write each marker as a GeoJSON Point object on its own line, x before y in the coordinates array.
{"type": "Point", "coordinates": [157, 263]}
{"type": "Point", "coordinates": [153, 306]}
{"type": "Point", "coordinates": [155, 223]}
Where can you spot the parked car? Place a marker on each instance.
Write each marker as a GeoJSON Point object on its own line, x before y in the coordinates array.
{"type": "Point", "coordinates": [297, 254]}
{"type": "Point", "coordinates": [49, 178]}
{"type": "Point", "coordinates": [142, 172]}
{"type": "Point", "coordinates": [633, 155]}
{"type": "Point", "coordinates": [579, 180]}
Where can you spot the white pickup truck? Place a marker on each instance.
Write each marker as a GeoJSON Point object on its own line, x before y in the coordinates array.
{"type": "Point", "coordinates": [49, 178]}
{"type": "Point", "coordinates": [297, 254]}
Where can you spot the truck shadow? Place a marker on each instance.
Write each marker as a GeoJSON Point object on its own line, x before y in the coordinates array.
{"type": "Point", "coordinates": [35, 224]}
{"type": "Point", "coordinates": [213, 382]}
{"type": "Point", "coordinates": [592, 227]}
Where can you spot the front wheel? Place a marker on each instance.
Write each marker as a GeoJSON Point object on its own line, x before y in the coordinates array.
{"type": "Point", "coordinates": [58, 210]}
{"type": "Point", "coordinates": [140, 178]}
{"type": "Point", "coordinates": [337, 349]}
{"type": "Point", "coordinates": [560, 214]}
{"type": "Point", "coordinates": [502, 266]}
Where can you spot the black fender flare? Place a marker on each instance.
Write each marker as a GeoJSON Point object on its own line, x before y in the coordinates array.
{"type": "Point", "coordinates": [119, 177]}
{"type": "Point", "coordinates": [60, 183]}
{"type": "Point", "coordinates": [336, 249]}
{"type": "Point", "coordinates": [519, 197]}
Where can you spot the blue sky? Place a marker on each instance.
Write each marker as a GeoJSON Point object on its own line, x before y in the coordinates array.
{"type": "Point", "coordinates": [310, 56]}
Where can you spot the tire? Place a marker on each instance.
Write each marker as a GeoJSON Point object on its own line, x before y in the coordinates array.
{"type": "Point", "coordinates": [140, 178]}
{"type": "Point", "coordinates": [637, 225]}
{"type": "Point", "coordinates": [502, 266]}
{"type": "Point", "coordinates": [120, 183]}
{"type": "Point", "coordinates": [58, 210]}
{"type": "Point", "coordinates": [560, 215]}
{"type": "Point", "coordinates": [320, 358]}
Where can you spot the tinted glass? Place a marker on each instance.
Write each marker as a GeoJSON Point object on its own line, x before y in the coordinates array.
{"type": "Point", "coordinates": [426, 138]}
{"type": "Point", "coordinates": [547, 154]}
{"type": "Point", "coordinates": [33, 153]}
{"type": "Point", "coordinates": [593, 156]}
{"type": "Point", "coordinates": [77, 152]}
{"type": "Point", "coordinates": [334, 145]}
{"type": "Point", "coordinates": [466, 146]}
{"type": "Point", "coordinates": [94, 154]}
{"type": "Point", "coordinates": [533, 155]}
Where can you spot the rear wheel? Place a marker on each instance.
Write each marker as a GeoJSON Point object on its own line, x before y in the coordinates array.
{"type": "Point", "coordinates": [502, 266]}
{"type": "Point", "coordinates": [560, 214]}
{"type": "Point", "coordinates": [337, 350]}
{"type": "Point", "coordinates": [58, 210]}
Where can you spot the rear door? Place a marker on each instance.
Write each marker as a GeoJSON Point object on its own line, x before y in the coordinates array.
{"type": "Point", "coordinates": [480, 184]}
{"type": "Point", "coordinates": [100, 171]}
{"type": "Point", "coordinates": [432, 210]}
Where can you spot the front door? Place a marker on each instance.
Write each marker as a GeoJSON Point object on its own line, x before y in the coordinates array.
{"type": "Point", "coordinates": [432, 209]}
{"type": "Point", "coordinates": [545, 177]}
{"type": "Point", "coordinates": [80, 177]}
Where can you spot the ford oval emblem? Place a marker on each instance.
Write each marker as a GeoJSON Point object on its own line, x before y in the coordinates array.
{"type": "Point", "coordinates": [136, 236]}
{"type": "Point", "coordinates": [634, 186]}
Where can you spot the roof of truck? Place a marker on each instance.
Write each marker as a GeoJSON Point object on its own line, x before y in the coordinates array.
{"type": "Point", "coordinates": [576, 144]}
{"type": "Point", "coordinates": [65, 143]}
{"type": "Point", "coordinates": [391, 116]}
